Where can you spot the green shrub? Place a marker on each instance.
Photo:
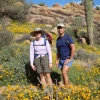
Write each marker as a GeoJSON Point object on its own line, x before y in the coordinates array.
{"type": "Point", "coordinates": [76, 73]}
{"type": "Point", "coordinates": [16, 12]}
{"type": "Point", "coordinates": [9, 52]}
{"type": "Point", "coordinates": [78, 22]}
{"type": "Point", "coordinates": [5, 37]}
{"type": "Point", "coordinates": [97, 7]}
{"type": "Point", "coordinates": [42, 4]}
{"type": "Point", "coordinates": [16, 67]}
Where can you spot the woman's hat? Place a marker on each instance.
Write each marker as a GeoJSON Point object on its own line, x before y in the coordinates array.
{"type": "Point", "coordinates": [37, 30]}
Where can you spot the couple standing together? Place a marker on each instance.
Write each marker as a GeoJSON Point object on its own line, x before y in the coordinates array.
{"type": "Point", "coordinates": [41, 57]}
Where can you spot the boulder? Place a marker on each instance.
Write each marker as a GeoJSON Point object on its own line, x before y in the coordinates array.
{"type": "Point", "coordinates": [54, 30]}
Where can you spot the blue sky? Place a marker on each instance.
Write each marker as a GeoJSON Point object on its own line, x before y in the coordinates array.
{"type": "Point", "coordinates": [61, 2]}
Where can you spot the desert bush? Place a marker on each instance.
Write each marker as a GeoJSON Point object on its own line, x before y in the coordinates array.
{"type": "Point", "coordinates": [97, 7]}
{"type": "Point", "coordinates": [16, 65]}
{"type": "Point", "coordinates": [23, 38]}
{"type": "Point", "coordinates": [42, 4]}
{"type": "Point", "coordinates": [9, 52]}
{"type": "Point", "coordinates": [78, 22]}
{"type": "Point", "coordinates": [97, 62]}
{"type": "Point", "coordinates": [84, 55]}
{"type": "Point", "coordinates": [13, 10]}
{"type": "Point", "coordinates": [5, 37]}
{"type": "Point", "coordinates": [16, 13]}
{"type": "Point", "coordinates": [96, 33]}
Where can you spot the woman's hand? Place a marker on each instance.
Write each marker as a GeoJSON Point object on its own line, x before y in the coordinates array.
{"type": "Point", "coordinates": [33, 67]}
{"type": "Point", "coordinates": [50, 66]}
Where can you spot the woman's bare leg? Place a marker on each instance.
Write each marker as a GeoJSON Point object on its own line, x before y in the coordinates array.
{"type": "Point", "coordinates": [43, 81]}
{"type": "Point", "coordinates": [48, 79]}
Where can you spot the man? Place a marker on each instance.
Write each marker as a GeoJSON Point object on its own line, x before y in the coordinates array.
{"type": "Point", "coordinates": [65, 52]}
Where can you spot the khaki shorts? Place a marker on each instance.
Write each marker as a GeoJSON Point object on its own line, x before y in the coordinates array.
{"type": "Point", "coordinates": [42, 64]}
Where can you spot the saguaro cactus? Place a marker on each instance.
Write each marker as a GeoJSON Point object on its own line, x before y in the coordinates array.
{"type": "Point", "coordinates": [89, 19]}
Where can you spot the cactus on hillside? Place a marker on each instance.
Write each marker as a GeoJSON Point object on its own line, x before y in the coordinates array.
{"type": "Point", "coordinates": [89, 19]}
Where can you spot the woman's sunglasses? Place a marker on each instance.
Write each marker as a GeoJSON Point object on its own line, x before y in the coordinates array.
{"type": "Point", "coordinates": [38, 32]}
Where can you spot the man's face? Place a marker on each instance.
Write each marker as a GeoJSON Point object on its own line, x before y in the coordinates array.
{"type": "Point", "coordinates": [61, 30]}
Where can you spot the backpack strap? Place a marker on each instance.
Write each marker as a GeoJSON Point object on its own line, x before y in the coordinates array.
{"type": "Point", "coordinates": [67, 41]}
{"type": "Point", "coordinates": [40, 45]}
{"type": "Point", "coordinates": [45, 40]}
{"type": "Point", "coordinates": [33, 43]}
{"type": "Point", "coordinates": [67, 38]}
{"type": "Point", "coordinates": [35, 55]}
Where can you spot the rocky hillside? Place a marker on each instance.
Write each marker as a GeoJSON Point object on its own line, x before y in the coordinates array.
{"type": "Point", "coordinates": [57, 13]}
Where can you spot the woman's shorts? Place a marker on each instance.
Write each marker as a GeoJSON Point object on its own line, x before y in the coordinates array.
{"type": "Point", "coordinates": [61, 63]}
{"type": "Point", "coordinates": [42, 64]}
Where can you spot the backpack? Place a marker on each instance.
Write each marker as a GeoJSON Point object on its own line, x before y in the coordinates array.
{"type": "Point", "coordinates": [48, 37]}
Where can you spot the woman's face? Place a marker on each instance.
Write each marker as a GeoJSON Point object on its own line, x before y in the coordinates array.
{"type": "Point", "coordinates": [38, 34]}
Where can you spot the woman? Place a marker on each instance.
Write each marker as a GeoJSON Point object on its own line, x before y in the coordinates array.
{"type": "Point", "coordinates": [41, 57]}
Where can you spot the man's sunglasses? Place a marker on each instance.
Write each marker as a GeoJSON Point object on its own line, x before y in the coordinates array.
{"type": "Point", "coordinates": [59, 27]}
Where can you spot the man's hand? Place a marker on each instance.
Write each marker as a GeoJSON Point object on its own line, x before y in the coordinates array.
{"type": "Point", "coordinates": [57, 63]}
{"type": "Point", "coordinates": [66, 61]}
{"type": "Point", "coordinates": [33, 67]}
{"type": "Point", "coordinates": [50, 66]}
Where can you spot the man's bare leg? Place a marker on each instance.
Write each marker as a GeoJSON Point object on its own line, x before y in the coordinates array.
{"type": "Point", "coordinates": [65, 75]}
